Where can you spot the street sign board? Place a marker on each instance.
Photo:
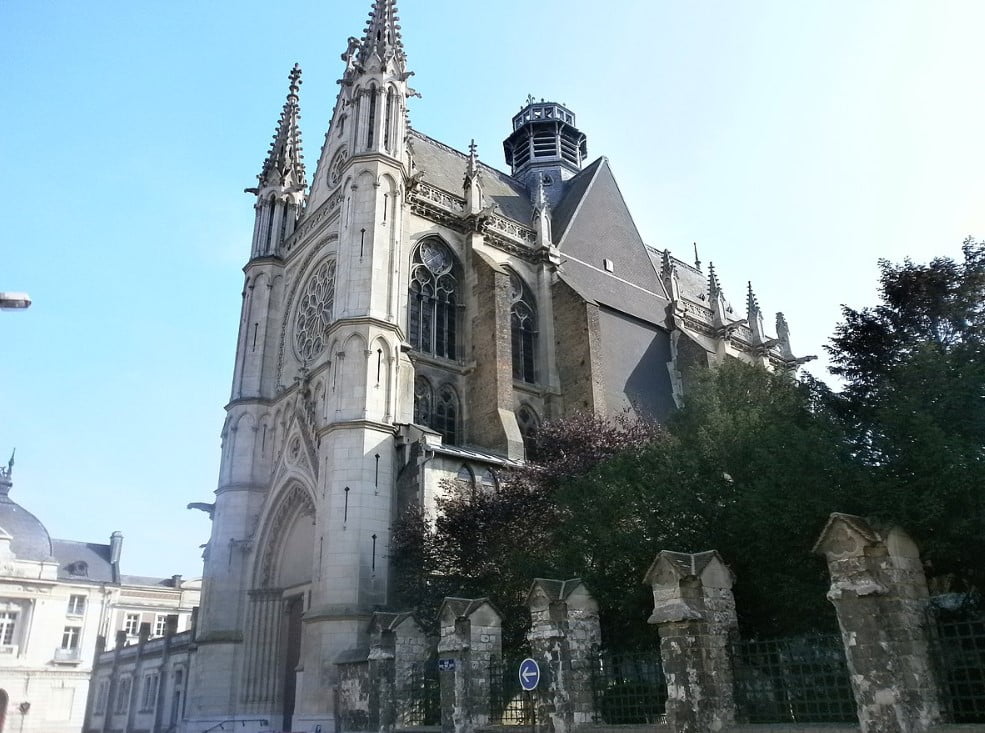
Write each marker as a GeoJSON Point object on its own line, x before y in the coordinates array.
{"type": "Point", "coordinates": [529, 674]}
{"type": "Point", "coordinates": [446, 665]}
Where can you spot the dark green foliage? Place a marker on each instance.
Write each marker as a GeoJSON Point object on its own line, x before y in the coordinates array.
{"type": "Point", "coordinates": [752, 465]}
{"type": "Point", "coordinates": [914, 401]}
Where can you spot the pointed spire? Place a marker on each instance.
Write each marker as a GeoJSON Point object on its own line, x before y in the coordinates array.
{"type": "Point", "coordinates": [284, 165]}
{"type": "Point", "coordinates": [754, 318]}
{"type": "Point", "coordinates": [382, 34]}
{"type": "Point", "coordinates": [473, 181]}
{"type": "Point", "coordinates": [714, 287]}
{"type": "Point", "coordinates": [472, 164]}
{"type": "Point", "coordinates": [752, 304]}
{"type": "Point", "coordinates": [666, 265]}
{"type": "Point", "coordinates": [542, 219]}
{"type": "Point", "coordinates": [668, 273]}
{"type": "Point", "coordinates": [540, 202]}
{"type": "Point", "coordinates": [697, 262]}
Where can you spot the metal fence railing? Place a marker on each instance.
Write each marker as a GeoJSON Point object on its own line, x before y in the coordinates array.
{"type": "Point", "coordinates": [629, 687]}
{"type": "Point", "coordinates": [419, 698]}
{"type": "Point", "coordinates": [801, 679]}
{"type": "Point", "coordinates": [508, 703]}
{"type": "Point", "coordinates": [960, 649]}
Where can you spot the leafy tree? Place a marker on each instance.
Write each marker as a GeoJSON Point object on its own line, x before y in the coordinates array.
{"type": "Point", "coordinates": [751, 466]}
{"type": "Point", "coordinates": [914, 368]}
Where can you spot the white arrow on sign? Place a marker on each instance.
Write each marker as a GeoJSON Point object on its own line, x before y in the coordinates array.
{"type": "Point", "coordinates": [529, 674]}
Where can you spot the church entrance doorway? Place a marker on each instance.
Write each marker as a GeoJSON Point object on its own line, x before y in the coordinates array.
{"type": "Point", "coordinates": [293, 610]}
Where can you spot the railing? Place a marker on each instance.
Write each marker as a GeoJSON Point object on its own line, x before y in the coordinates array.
{"type": "Point", "coordinates": [232, 722]}
{"type": "Point", "coordinates": [508, 703]}
{"type": "Point", "coordinates": [629, 687]}
{"type": "Point", "coordinates": [960, 652]}
{"type": "Point", "coordinates": [419, 697]}
{"type": "Point", "coordinates": [801, 679]}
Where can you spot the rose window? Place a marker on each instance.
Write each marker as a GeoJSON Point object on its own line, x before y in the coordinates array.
{"type": "Point", "coordinates": [314, 312]}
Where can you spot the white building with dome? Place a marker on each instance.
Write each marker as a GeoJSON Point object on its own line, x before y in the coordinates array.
{"type": "Point", "coordinates": [57, 599]}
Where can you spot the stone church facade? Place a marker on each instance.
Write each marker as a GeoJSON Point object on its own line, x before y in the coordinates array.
{"type": "Point", "coordinates": [412, 314]}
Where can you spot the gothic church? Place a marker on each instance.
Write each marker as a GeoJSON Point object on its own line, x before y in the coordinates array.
{"type": "Point", "coordinates": [411, 314]}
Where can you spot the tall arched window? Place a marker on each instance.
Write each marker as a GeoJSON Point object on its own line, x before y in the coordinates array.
{"type": "Point", "coordinates": [423, 399]}
{"type": "Point", "coordinates": [523, 328]}
{"type": "Point", "coordinates": [446, 414]}
{"type": "Point", "coordinates": [528, 423]}
{"type": "Point", "coordinates": [433, 314]}
{"type": "Point", "coordinates": [372, 116]}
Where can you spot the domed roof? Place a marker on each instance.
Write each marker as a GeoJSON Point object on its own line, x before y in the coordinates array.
{"type": "Point", "coordinates": [29, 539]}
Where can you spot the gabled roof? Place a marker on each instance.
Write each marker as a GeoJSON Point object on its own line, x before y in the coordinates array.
{"type": "Point", "coordinates": [591, 225]}
{"type": "Point", "coordinates": [574, 192]}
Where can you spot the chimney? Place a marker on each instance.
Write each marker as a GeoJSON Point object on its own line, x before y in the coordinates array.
{"type": "Point", "coordinates": [115, 549]}
{"type": "Point", "coordinates": [175, 581]}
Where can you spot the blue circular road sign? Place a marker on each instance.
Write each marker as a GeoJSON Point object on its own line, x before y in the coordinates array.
{"type": "Point", "coordinates": [529, 674]}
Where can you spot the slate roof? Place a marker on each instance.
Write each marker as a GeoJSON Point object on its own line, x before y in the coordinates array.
{"type": "Point", "coordinates": [444, 168]}
{"type": "Point", "coordinates": [69, 554]}
{"type": "Point", "coordinates": [29, 538]}
{"type": "Point", "coordinates": [590, 223]}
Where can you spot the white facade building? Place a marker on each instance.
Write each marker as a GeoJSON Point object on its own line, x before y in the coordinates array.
{"type": "Point", "coordinates": [58, 598]}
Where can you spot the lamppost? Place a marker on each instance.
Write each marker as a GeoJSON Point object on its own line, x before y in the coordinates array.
{"type": "Point", "coordinates": [14, 301]}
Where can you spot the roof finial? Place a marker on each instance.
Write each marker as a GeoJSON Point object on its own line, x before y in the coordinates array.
{"type": "Point", "coordinates": [530, 100]}
{"type": "Point", "coordinates": [540, 201]}
{"type": "Point", "coordinates": [284, 165]}
{"type": "Point", "coordinates": [752, 303]}
{"type": "Point", "coordinates": [473, 166]}
{"type": "Point", "coordinates": [382, 34]}
{"type": "Point", "coordinates": [6, 475]}
{"type": "Point", "coordinates": [697, 262]}
{"type": "Point", "coordinates": [714, 287]}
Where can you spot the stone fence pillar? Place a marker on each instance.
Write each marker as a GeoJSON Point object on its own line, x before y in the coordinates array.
{"type": "Point", "coordinates": [564, 638]}
{"type": "Point", "coordinates": [396, 644]}
{"type": "Point", "coordinates": [471, 638]}
{"type": "Point", "coordinates": [694, 612]}
{"type": "Point", "coordinates": [880, 594]}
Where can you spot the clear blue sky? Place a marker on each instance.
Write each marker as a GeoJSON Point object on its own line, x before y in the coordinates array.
{"type": "Point", "coordinates": [796, 142]}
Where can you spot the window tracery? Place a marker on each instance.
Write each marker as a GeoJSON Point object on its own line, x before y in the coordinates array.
{"type": "Point", "coordinates": [314, 312]}
{"type": "Point", "coordinates": [446, 414]}
{"type": "Point", "coordinates": [438, 412]}
{"type": "Point", "coordinates": [523, 329]}
{"type": "Point", "coordinates": [527, 421]}
{"type": "Point", "coordinates": [422, 401]}
{"type": "Point", "coordinates": [433, 310]}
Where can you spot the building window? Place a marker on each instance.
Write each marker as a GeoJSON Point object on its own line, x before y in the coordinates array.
{"type": "Point", "coordinates": [70, 637]}
{"type": "Point", "coordinates": [123, 696]}
{"type": "Point", "coordinates": [528, 423]}
{"type": "Point", "coordinates": [441, 414]}
{"type": "Point", "coordinates": [446, 414]}
{"type": "Point", "coordinates": [148, 698]}
{"type": "Point", "coordinates": [8, 622]}
{"type": "Point", "coordinates": [423, 397]}
{"type": "Point", "coordinates": [131, 624]}
{"type": "Point", "coordinates": [433, 300]}
{"type": "Point", "coordinates": [102, 696]}
{"type": "Point", "coordinates": [76, 605]}
{"type": "Point", "coordinates": [523, 329]}
{"type": "Point", "coordinates": [160, 625]}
